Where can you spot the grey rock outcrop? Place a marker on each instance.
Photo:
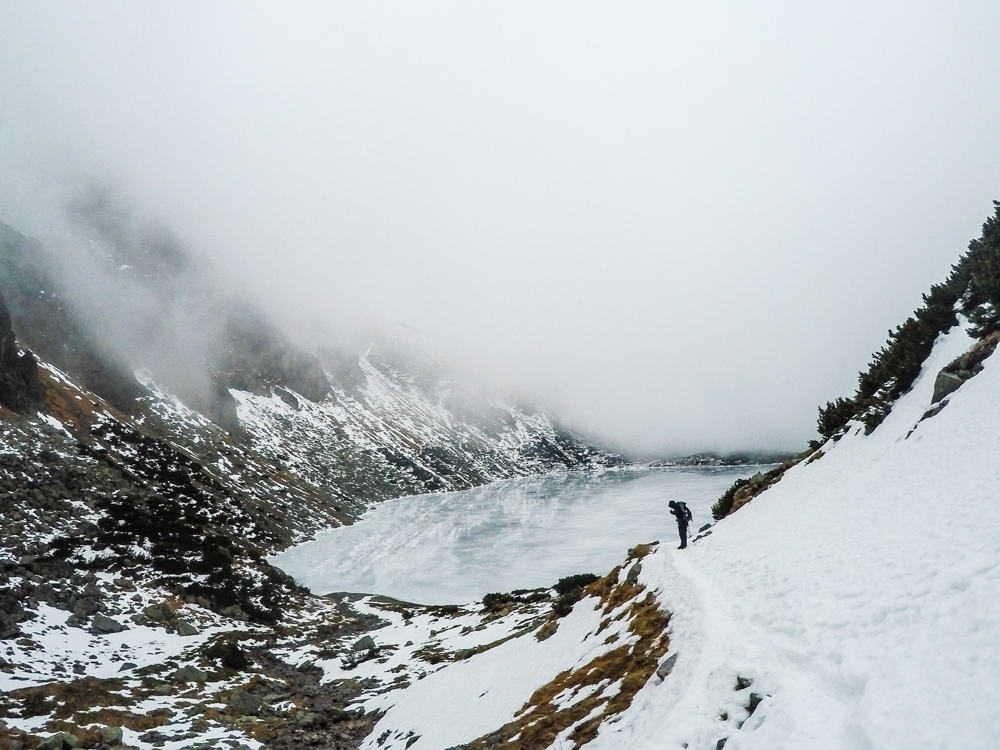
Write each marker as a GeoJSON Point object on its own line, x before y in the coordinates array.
{"type": "Point", "coordinates": [102, 624]}
{"type": "Point", "coordinates": [365, 644]}
{"type": "Point", "coordinates": [664, 670]}
{"type": "Point", "coordinates": [11, 613]}
{"type": "Point", "coordinates": [20, 386]}
{"type": "Point", "coordinates": [945, 384]}
{"type": "Point", "coordinates": [189, 673]}
{"type": "Point", "coordinates": [246, 704]}
{"type": "Point", "coordinates": [184, 627]}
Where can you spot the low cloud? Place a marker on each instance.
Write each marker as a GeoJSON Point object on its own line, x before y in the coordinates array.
{"type": "Point", "coordinates": [681, 228]}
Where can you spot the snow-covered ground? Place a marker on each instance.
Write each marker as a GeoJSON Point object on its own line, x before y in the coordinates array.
{"type": "Point", "coordinates": [522, 533]}
{"type": "Point", "coordinates": [861, 593]}
{"type": "Point", "coordinates": [853, 605]}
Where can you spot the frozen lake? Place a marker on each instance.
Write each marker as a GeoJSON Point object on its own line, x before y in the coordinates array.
{"type": "Point", "coordinates": [522, 533]}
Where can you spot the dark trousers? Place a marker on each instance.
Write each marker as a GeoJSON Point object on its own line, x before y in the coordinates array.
{"type": "Point", "coordinates": [682, 529]}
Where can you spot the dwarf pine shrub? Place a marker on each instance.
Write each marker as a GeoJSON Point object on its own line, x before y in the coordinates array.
{"type": "Point", "coordinates": [570, 590]}
{"type": "Point", "coordinates": [972, 287]}
{"type": "Point", "coordinates": [725, 503]}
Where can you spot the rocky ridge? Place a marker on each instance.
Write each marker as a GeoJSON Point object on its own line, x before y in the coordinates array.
{"type": "Point", "coordinates": [137, 607]}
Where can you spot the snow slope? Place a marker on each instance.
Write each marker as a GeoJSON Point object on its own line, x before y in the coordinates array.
{"type": "Point", "coordinates": [861, 593]}
{"type": "Point", "coordinates": [855, 604]}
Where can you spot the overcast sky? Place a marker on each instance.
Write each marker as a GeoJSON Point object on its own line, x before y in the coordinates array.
{"type": "Point", "coordinates": [678, 225]}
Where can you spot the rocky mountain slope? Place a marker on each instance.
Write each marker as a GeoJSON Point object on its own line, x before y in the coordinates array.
{"type": "Point", "coordinates": [156, 338]}
{"type": "Point", "coordinates": [846, 599]}
{"type": "Point", "coordinates": [158, 438]}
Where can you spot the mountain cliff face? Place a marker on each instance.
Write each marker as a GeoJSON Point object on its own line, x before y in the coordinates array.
{"type": "Point", "coordinates": [852, 601]}
{"type": "Point", "coordinates": [185, 361]}
{"type": "Point", "coordinates": [159, 437]}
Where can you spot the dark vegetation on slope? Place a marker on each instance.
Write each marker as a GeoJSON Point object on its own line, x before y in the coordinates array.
{"type": "Point", "coordinates": [135, 299]}
{"type": "Point", "coordinates": [973, 287]}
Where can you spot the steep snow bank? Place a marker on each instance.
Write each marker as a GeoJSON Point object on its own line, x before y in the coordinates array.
{"type": "Point", "coordinates": [861, 594]}
{"type": "Point", "coordinates": [855, 604]}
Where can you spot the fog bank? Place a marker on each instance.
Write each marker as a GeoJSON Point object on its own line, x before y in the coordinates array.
{"type": "Point", "coordinates": [679, 228]}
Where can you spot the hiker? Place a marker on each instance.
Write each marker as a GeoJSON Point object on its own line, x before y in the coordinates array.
{"type": "Point", "coordinates": [683, 515]}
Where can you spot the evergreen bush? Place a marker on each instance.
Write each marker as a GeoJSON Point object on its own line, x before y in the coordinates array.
{"type": "Point", "coordinates": [973, 287]}
{"type": "Point", "coordinates": [725, 503]}
{"type": "Point", "coordinates": [570, 590]}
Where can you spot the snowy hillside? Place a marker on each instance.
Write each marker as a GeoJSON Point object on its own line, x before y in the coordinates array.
{"type": "Point", "coordinates": [161, 340]}
{"type": "Point", "coordinates": [854, 604]}
{"type": "Point", "coordinates": [391, 434]}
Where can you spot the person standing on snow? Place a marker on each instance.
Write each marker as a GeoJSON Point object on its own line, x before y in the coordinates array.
{"type": "Point", "coordinates": [681, 512]}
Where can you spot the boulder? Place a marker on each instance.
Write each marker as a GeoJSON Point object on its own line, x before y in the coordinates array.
{"type": "Point", "coordinates": [664, 670]}
{"type": "Point", "coordinates": [11, 613]}
{"type": "Point", "coordinates": [110, 736]}
{"type": "Point", "coordinates": [59, 741]}
{"type": "Point", "coordinates": [86, 606]}
{"type": "Point", "coordinates": [126, 666]}
{"type": "Point", "coordinates": [184, 627]}
{"type": "Point", "coordinates": [632, 577]}
{"type": "Point", "coordinates": [189, 673]}
{"type": "Point", "coordinates": [946, 383]}
{"type": "Point", "coordinates": [244, 703]}
{"type": "Point", "coordinates": [366, 643]}
{"type": "Point", "coordinates": [309, 720]}
{"type": "Point", "coordinates": [75, 622]}
{"type": "Point", "coordinates": [102, 624]}
{"type": "Point", "coordinates": [159, 612]}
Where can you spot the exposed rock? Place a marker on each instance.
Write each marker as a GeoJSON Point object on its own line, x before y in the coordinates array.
{"type": "Point", "coordinates": [103, 624]}
{"type": "Point", "coordinates": [86, 607]}
{"type": "Point", "coordinates": [234, 611]}
{"type": "Point", "coordinates": [189, 673]}
{"type": "Point", "coordinates": [184, 627]}
{"type": "Point", "coordinates": [20, 386]}
{"type": "Point", "coordinates": [632, 577]}
{"type": "Point", "coordinates": [309, 720]}
{"type": "Point", "coordinates": [664, 670]}
{"type": "Point", "coordinates": [11, 613]}
{"type": "Point", "coordinates": [127, 666]}
{"type": "Point", "coordinates": [366, 643]}
{"type": "Point", "coordinates": [59, 741]}
{"type": "Point", "coordinates": [246, 704]}
{"type": "Point", "coordinates": [945, 384]}
{"type": "Point", "coordinates": [110, 736]}
{"type": "Point", "coordinates": [159, 612]}
{"type": "Point", "coordinates": [229, 654]}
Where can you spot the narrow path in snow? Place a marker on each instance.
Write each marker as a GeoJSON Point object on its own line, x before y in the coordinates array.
{"type": "Point", "coordinates": [860, 594]}
{"type": "Point", "coordinates": [718, 643]}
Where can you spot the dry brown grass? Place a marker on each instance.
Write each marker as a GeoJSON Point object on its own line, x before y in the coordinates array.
{"type": "Point", "coordinates": [640, 551]}
{"type": "Point", "coordinates": [64, 699]}
{"type": "Point", "coordinates": [62, 402]}
{"type": "Point", "coordinates": [540, 721]}
{"type": "Point", "coordinates": [112, 717]}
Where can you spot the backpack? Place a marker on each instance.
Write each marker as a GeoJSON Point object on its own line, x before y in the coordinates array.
{"type": "Point", "coordinates": [685, 512]}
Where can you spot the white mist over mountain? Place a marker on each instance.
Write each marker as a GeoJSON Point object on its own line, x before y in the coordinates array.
{"type": "Point", "coordinates": [678, 227]}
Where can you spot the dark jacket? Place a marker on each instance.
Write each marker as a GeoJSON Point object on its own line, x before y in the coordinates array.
{"type": "Point", "coordinates": [681, 512]}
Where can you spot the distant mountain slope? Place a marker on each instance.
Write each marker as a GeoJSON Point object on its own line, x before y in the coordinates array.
{"type": "Point", "coordinates": [161, 342]}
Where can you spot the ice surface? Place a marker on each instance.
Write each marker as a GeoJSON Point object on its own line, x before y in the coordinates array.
{"type": "Point", "coordinates": [522, 533]}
